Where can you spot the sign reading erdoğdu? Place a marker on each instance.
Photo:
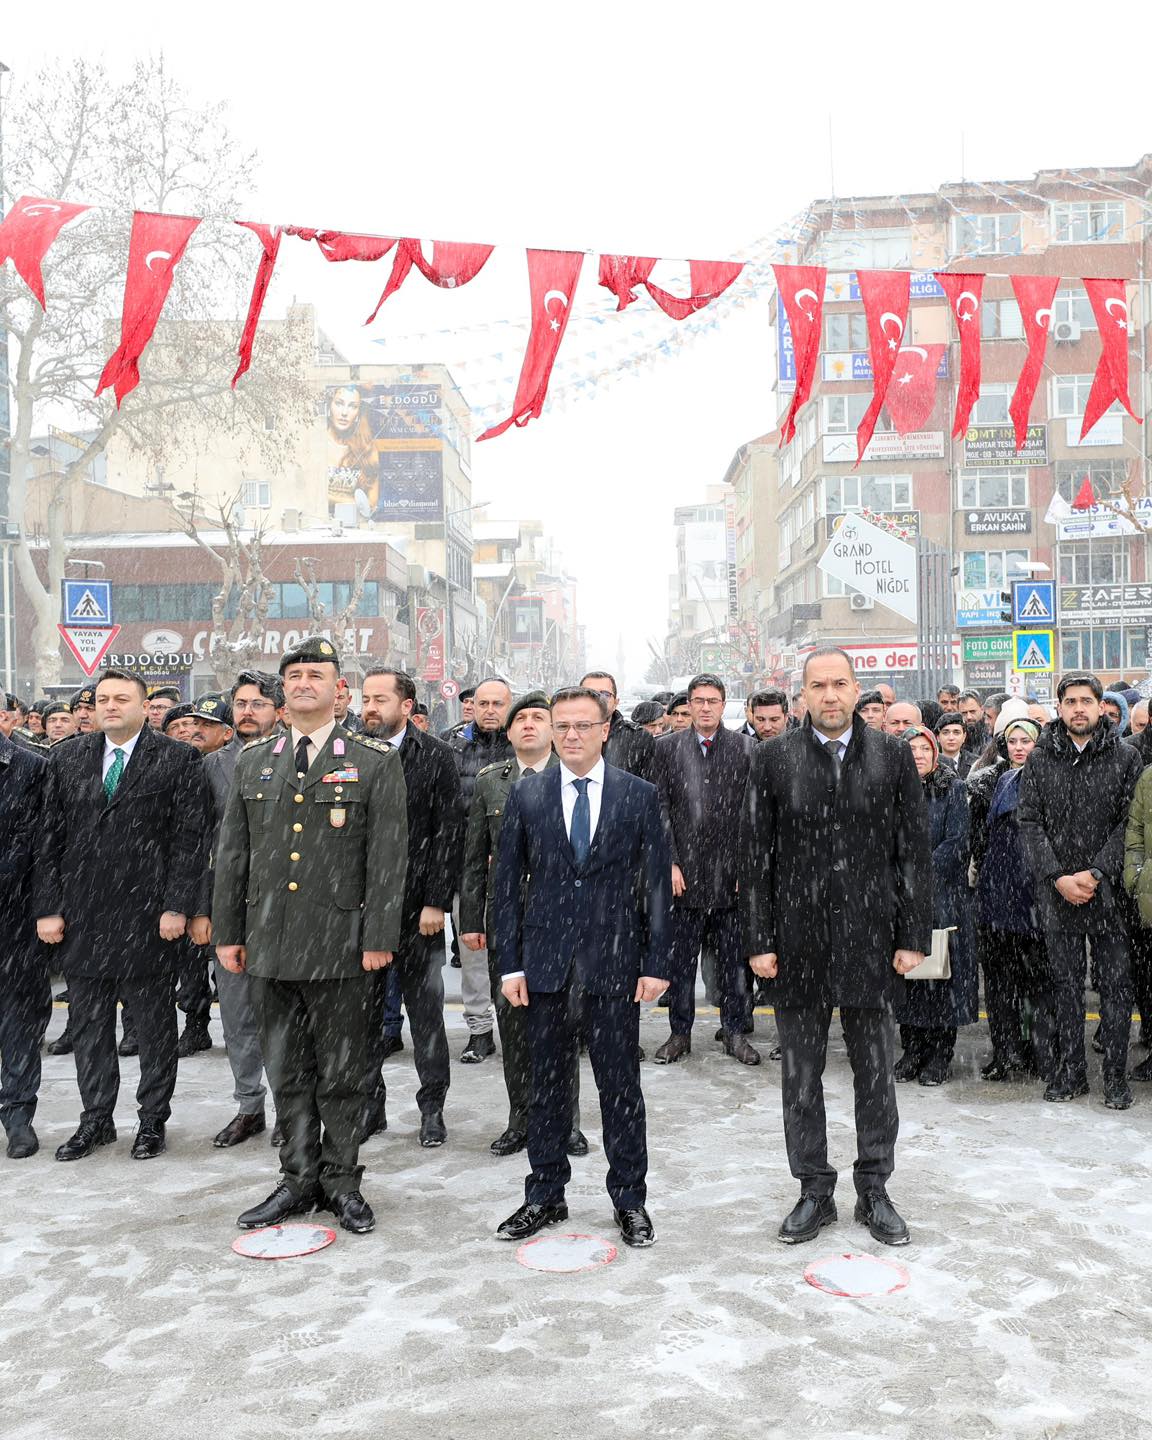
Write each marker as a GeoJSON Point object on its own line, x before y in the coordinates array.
{"type": "Point", "coordinates": [874, 563]}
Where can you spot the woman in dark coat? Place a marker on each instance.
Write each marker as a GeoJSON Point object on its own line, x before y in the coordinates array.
{"type": "Point", "coordinates": [1010, 941]}
{"type": "Point", "coordinates": [930, 1011]}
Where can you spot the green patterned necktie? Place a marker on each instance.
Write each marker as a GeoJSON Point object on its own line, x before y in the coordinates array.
{"type": "Point", "coordinates": [115, 770]}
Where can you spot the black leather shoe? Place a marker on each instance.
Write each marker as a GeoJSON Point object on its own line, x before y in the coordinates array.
{"type": "Point", "coordinates": [375, 1122]}
{"type": "Point", "coordinates": [149, 1141]}
{"type": "Point", "coordinates": [1060, 1090]}
{"type": "Point", "coordinates": [353, 1212]}
{"type": "Point", "coordinates": [577, 1143]}
{"type": "Point", "coordinates": [277, 1135]}
{"type": "Point", "coordinates": [774, 1053]}
{"type": "Point", "coordinates": [640, 1055]}
{"type": "Point", "coordinates": [90, 1136]}
{"type": "Point", "coordinates": [1143, 1071]}
{"type": "Point", "coordinates": [129, 1045]}
{"type": "Point", "coordinates": [738, 1047]}
{"type": "Point", "coordinates": [22, 1142]}
{"type": "Point", "coordinates": [433, 1131]}
{"type": "Point", "coordinates": [998, 1071]}
{"type": "Point", "coordinates": [194, 1039]}
{"type": "Point", "coordinates": [279, 1206]}
{"type": "Point", "coordinates": [531, 1218]}
{"type": "Point", "coordinates": [509, 1143]}
{"type": "Point", "coordinates": [744, 1030]}
{"type": "Point", "coordinates": [934, 1073]}
{"type": "Point", "coordinates": [674, 1048]}
{"type": "Point", "coordinates": [240, 1128]}
{"type": "Point", "coordinates": [478, 1049]}
{"type": "Point", "coordinates": [807, 1218]}
{"type": "Point", "coordinates": [62, 1045]}
{"type": "Point", "coordinates": [636, 1228]}
{"type": "Point", "coordinates": [393, 1044]}
{"type": "Point", "coordinates": [875, 1210]}
{"type": "Point", "coordinates": [907, 1067]}
{"type": "Point", "coordinates": [1117, 1094]}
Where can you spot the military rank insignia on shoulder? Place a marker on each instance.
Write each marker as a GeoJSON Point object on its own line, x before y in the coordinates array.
{"type": "Point", "coordinates": [497, 765]}
{"type": "Point", "coordinates": [259, 740]}
{"type": "Point", "coordinates": [372, 742]}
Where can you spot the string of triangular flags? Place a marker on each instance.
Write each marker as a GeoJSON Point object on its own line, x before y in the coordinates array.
{"type": "Point", "coordinates": [904, 376]}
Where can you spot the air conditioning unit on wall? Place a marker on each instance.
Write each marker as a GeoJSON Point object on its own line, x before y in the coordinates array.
{"type": "Point", "coordinates": [1066, 332]}
{"type": "Point", "coordinates": [861, 602]}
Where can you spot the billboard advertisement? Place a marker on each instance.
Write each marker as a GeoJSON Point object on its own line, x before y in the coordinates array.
{"type": "Point", "coordinates": [385, 452]}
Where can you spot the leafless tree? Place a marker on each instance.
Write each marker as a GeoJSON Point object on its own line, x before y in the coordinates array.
{"type": "Point", "coordinates": [343, 621]}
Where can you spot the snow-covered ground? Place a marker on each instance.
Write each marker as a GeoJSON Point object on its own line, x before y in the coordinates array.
{"type": "Point", "coordinates": [123, 1311]}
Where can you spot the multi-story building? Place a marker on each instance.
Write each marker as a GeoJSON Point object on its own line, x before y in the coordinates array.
{"type": "Point", "coordinates": [528, 599]}
{"type": "Point", "coordinates": [975, 496]}
{"type": "Point", "coordinates": [699, 609]}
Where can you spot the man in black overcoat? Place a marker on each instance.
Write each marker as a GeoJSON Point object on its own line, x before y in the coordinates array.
{"type": "Point", "coordinates": [836, 896]}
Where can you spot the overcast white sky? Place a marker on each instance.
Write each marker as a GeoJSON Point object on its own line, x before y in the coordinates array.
{"type": "Point", "coordinates": [634, 127]}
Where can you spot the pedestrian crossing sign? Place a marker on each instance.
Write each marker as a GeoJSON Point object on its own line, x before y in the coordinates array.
{"type": "Point", "coordinates": [1033, 602]}
{"type": "Point", "coordinates": [1032, 651]}
{"type": "Point", "coordinates": [87, 602]}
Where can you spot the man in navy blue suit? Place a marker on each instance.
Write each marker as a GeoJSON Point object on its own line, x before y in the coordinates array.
{"type": "Point", "coordinates": [581, 903]}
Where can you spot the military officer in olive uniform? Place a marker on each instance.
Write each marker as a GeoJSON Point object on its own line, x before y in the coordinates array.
{"type": "Point", "coordinates": [309, 885]}
{"type": "Point", "coordinates": [530, 732]}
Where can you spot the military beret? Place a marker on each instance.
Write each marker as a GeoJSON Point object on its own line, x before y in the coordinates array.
{"type": "Point", "coordinates": [533, 700]}
{"type": "Point", "coordinates": [311, 649]}
{"type": "Point", "coordinates": [39, 706]}
{"type": "Point", "coordinates": [213, 707]}
{"type": "Point", "coordinates": [419, 708]}
{"type": "Point", "coordinates": [86, 696]}
{"type": "Point", "coordinates": [676, 701]}
{"type": "Point", "coordinates": [164, 692]}
{"type": "Point", "coordinates": [177, 712]}
{"type": "Point", "coordinates": [56, 707]}
{"type": "Point", "coordinates": [10, 701]}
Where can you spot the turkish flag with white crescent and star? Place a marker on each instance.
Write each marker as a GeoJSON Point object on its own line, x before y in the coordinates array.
{"type": "Point", "coordinates": [451, 265]}
{"type": "Point", "coordinates": [29, 231]}
{"type": "Point", "coordinates": [1034, 295]}
{"type": "Point", "coordinates": [885, 294]}
{"type": "Point", "coordinates": [964, 295]}
{"type": "Point", "coordinates": [1109, 301]}
{"type": "Point", "coordinates": [800, 289]}
{"type": "Point", "coordinates": [270, 237]}
{"type": "Point", "coordinates": [912, 389]}
{"type": "Point", "coordinates": [552, 277]}
{"type": "Point", "coordinates": [155, 249]}
{"type": "Point", "coordinates": [707, 279]}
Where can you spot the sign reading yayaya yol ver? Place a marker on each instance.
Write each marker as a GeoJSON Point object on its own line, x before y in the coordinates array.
{"type": "Point", "coordinates": [862, 555]}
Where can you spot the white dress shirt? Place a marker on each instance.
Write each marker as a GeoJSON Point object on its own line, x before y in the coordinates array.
{"type": "Point", "coordinates": [395, 740]}
{"type": "Point", "coordinates": [841, 740]}
{"type": "Point", "coordinates": [126, 747]}
{"type": "Point", "coordinates": [568, 793]}
{"type": "Point", "coordinates": [316, 741]}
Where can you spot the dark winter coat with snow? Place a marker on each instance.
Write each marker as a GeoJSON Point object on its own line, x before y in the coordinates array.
{"type": "Point", "coordinates": [703, 800]}
{"type": "Point", "coordinates": [1142, 744]}
{"type": "Point", "coordinates": [22, 777]}
{"type": "Point", "coordinates": [1073, 813]}
{"type": "Point", "coordinates": [475, 752]}
{"type": "Point", "coordinates": [113, 867]}
{"type": "Point", "coordinates": [835, 876]}
{"type": "Point", "coordinates": [1005, 885]}
{"type": "Point", "coordinates": [955, 1001]}
{"type": "Point", "coordinates": [630, 747]}
{"type": "Point", "coordinates": [435, 827]}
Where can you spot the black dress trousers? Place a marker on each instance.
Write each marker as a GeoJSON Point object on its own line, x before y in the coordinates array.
{"type": "Point", "coordinates": [25, 1009]}
{"type": "Point", "coordinates": [92, 1020]}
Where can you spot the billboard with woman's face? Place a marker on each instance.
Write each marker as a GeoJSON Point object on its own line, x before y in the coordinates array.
{"type": "Point", "coordinates": [385, 452]}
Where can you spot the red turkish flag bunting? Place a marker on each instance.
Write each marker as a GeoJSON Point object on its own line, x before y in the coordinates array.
{"type": "Point", "coordinates": [451, 265]}
{"type": "Point", "coordinates": [29, 231]}
{"type": "Point", "coordinates": [912, 389]}
{"type": "Point", "coordinates": [964, 295]}
{"type": "Point", "coordinates": [336, 245]}
{"type": "Point", "coordinates": [1085, 496]}
{"type": "Point", "coordinates": [270, 237]}
{"type": "Point", "coordinates": [552, 277]}
{"type": "Point", "coordinates": [885, 294]}
{"type": "Point", "coordinates": [707, 279]}
{"type": "Point", "coordinates": [800, 289]}
{"type": "Point", "coordinates": [1034, 294]}
{"type": "Point", "coordinates": [157, 245]}
{"type": "Point", "coordinates": [1109, 301]}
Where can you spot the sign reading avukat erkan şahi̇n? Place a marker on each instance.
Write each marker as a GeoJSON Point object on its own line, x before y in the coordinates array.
{"type": "Point", "coordinates": [873, 562]}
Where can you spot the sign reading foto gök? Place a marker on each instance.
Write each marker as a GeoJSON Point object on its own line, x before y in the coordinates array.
{"type": "Point", "coordinates": [875, 563]}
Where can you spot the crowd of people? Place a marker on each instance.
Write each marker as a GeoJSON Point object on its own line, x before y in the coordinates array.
{"type": "Point", "coordinates": [842, 850]}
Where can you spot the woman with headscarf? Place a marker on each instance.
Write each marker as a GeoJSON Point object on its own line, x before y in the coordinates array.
{"type": "Point", "coordinates": [931, 1011]}
{"type": "Point", "coordinates": [1010, 940]}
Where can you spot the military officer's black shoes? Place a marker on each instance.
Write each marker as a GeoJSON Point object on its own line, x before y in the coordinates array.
{"type": "Point", "coordinates": [22, 1142]}
{"type": "Point", "coordinates": [1143, 1071]}
{"type": "Point", "coordinates": [479, 1048]}
{"type": "Point", "coordinates": [62, 1045]}
{"type": "Point", "coordinates": [636, 1228]}
{"type": "Point", "coordinates": [240, 1128]}
{"type": "Point", "coordinates": [577, 1144]}
{"type": "Point", "coordinates": [807, 1218]}
{"type": "Point", "coordinates": [149, 1141]}
{"type": "Point", "coordinates": [353, 1212]}
{"type": "Point", "coordinates": [738, 1047]}
{"type": "Point", "coordinates": [875, 1210]}
{"type": "Point", "coordinates": [194, 1039]}
{"type": "Point", "coordinates": [531, 1218]}
{"type": "Point", "coordinates": [509, 1143]}
{"type": "Point", "coordinates": [1117, 1093]}
{"type": "Point", "coordinates": [279, 1206]}
{"type": "Point", "coordinates": [433, 1131]}
{"type": "Point", "coordinates": [90, 1136]}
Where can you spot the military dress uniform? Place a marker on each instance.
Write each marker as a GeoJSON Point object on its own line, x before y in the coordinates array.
{"type": "Point", "coordinates": [309, 875]}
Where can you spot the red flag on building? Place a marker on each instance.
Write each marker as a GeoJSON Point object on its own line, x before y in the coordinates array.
{"type": "Point", "coordinates": [451, 265]}
{"type": "Point", "coordinates": [1085, 496]}
{"type": "Point", "coordinates": [270, 237]}
{"type": "Point", "coordinates": [157, 245]}
{"type": "Point", "coordinates": [707, 279]}
{"type": "Point", "coordinates": [912, 389]}
{"type": "Point", "coordinates": [800, 289]}
{"type": "Point", "coordinates": [1109, 301]}
{"type": "Point", "coordinates": [552, 277]}
{"type": "Point", "coordinates": [1034, 294]}
{"type": "Point", "coordinates": [28, 232]}
{"type": "Point", "coordinates": [885, 294]}
{"type": "Point", "coordinates": [964, 294]}
{"type": "Point", "coordinates": [336, 245]}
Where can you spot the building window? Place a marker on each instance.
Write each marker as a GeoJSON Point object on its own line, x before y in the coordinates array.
{"type": "Point", "coordinates": [992, 406]}
{"type": "Point", "coordinates": [1107, 476]}
{"type": "Point", "coordinates": [843, 414]}
{"type": "Point", "coordinates": [1088, 222]}
{"type": "Point", "coordinates": [992, 569]}
{"type": "Point", "coordinates": [256, 494]}
{"type": "Point", "coordinates": [1070, 394]}
{"type": "Point", "coordinates": [986, 234]}
{"type": "Point", "coordinates": [883, 493]}
{"type": "Point", "coordinates": [993, 489]}
{"type": "Point", "coordinates": [866, 249]}
{"type": "Point", "coordinates": [1103, 649]}
{"type": "Point", "coordinates": [1071, 304]}
{"type": "Point", "coordinates": [846, 330]}
{"type": "Point", "coordinates": [1000, 320]}
{"type": "Point", "coordinates": [1096, 562]}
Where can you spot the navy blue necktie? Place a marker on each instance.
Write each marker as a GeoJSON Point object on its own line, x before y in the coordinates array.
{"type": "Point", "coordinates": [581, 835]}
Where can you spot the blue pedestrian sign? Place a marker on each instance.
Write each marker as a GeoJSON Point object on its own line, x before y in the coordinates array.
{"type": "Point", "coordinates": [1033, 602]}
{"type": "Point", "coordinates": [1032, 651]}
{"type": "Point", "coordinates": [87, 602]}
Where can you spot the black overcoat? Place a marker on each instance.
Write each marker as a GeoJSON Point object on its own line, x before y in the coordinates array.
{"type": "Point", "coordinates": [435, 827]}
{"type": "Point", "coordinates": [22, 773]}
{"type": "Point", "coordinates": [702, 801]}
